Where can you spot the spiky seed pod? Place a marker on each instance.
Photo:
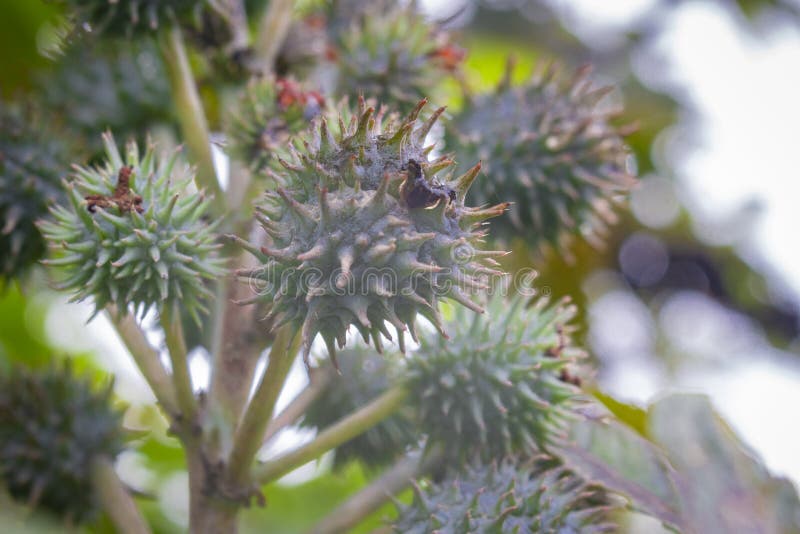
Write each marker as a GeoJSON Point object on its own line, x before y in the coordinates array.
{"type": "Point", "coordinates": [512, 495]}
{"type": "Point", "coordinates": [52, 426]}
{"type": "Point", "coordinates": [135, 233]}
{"type": "Point", "coordinates": [362, 232]}
{"type": "Point", "coordinates": [550, 145]}
{"type": "Point", "coordinates": [30, 165]}
{"type": "Point", "coordinates": [392, 55]}
{"type": "Point", "coordinates": [363, 377]}
{"type": "Point", "coordinates": [121, 87]}
{"type": "Point", "coordinates": [496, 386]}
{"type": "Point", "coordinates": [126, 17]}
{"type": "Point", "coordinates": [269, 113]}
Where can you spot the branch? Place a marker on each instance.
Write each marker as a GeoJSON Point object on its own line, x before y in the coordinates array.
{"type": "Point", "coordinates": [333, 436]}
{"type": "Point", "coordinates": [299, 405]}
{"type": "Point", "coordinates": [248, 438]}
{"type": "Point", "coordinates": [190, 113]}
{"type": "Point", "coordinates": [394, 480]}
{"type": "Point", "coordinates": [115, 499]}
{"type": "Point", "coordinates": [272, 32]}
{"type": "Point", "coordinates": [146, 358]}
{"type": "Point", "coordinates": [176, 346]}
{"type": "Point", "coordinates": [235, 15]}
{"type": "Point", "coordinates": [239, 338]}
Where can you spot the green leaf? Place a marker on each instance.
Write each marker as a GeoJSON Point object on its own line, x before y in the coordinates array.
{"type": "Point", "coordinates": [630, 414]}
{"type": "Point", "coordinates": [622, 460]}
{"type": "Point", "coordinates": [723, 485]}
{"type": "Point", "coordinates": [297, 508]}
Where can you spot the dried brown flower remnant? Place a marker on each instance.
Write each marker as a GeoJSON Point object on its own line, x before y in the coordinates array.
{"type": "Point", "coordinates": [123, 197]}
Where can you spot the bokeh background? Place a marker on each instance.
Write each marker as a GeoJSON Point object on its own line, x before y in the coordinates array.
{"type": "Point", "coordinates": [697, 289]}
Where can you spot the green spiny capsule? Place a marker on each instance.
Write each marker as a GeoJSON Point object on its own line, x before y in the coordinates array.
{"type": "Point", "coordinates": [135, 233]}
{"type": "Point", "coordinates": [52, 426]}
{"type": "Point", "coordinates": [362, 377]}
{"type": "Point", "coordinates": [125, 17]}
{"type": "Point", "coordinates": [513, 495]}
{"type": "Point", "coordinates": [362, 232]}
{"type": "Point", "coordinates": [550, 145]}
{"type": "Point", "coordinates": [392, 55]}
{"type": "Point", "coordinates": [501, 383]}
{"type": "Point", "coordinates": [270, 112]}
{"type": "Point", "coordinates": [30, 164]}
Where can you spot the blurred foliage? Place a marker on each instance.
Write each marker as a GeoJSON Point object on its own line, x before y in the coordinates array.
{"type": "Point", "coordinates": [19, 27]}
{"type": "Point", "coordinates": [22, 336]}
{"type": "Point", "coordinates": [296, 508]}
{"type": "Point", "coordinates": [694, 474]}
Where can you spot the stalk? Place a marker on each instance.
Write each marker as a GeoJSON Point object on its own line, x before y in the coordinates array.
{"type": "Point", "coordinates": [207, 514]}
{"type": "Point", "coordinates": [272, 32]}
{"type": "Point", "coordinates": [320, 378]}
{"type": "Point", "coordinates": [235, 15]}
{"type": "Point", "coordinates": [176, 345]}
{"type": "Point", "coordinates": [146, 358]}
{"type": "Point", "coordinates": [191, 115]}
{"type": "Point", "coordinates": [397, 478]}
{"type": "Point", "coordinates": [115, 499]}
{"type": "Point", "coordinates": [239, 339]}
{"type": "Point", "coordinates": [338, 433]}
{"type": "Point", "coordinates": [249, 434]}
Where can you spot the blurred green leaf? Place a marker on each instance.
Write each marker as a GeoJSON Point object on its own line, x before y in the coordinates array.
{"type": "Point", "coordinates": [21, 330]}
{"type": "Point", "coordinates": [695, 475]}
{"type": "Point", "coordinates": [723, 485]}
{"type": "Point", "coordinates": [162, 455]}
{"type": "Point", "coordinates": [633, 416]}
{"type": "Point", "coordinates": [19, 55]}
{"type": "Point", "coordinates": [297, 508]}
{"type": "Point", "coordinates": [614, 455]}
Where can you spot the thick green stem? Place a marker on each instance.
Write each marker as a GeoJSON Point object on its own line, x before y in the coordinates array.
{"type": "Point", "coordinates": [191, 115]}
{"type": "Point", "coordinates": [207, 514]}
{"type": "Point", "coordinates": [146, 358]}
{"type": "Point", "coordinates": [250, 432]}
{"type": "Point", "coordinates": [394, 480]}
{"type": "Point", "coordinates": [320, 378]}
{"type": "Point", "coordinates": [272, 32]}
{"type": "Point", "coordinates": [333, 436]}
{"type": "Point", "coordinates": [176, 345]}
{"type": "Point", "coordinates": [115, 499]}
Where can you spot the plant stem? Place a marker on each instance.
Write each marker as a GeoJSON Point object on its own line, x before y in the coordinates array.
{"type": "Point", "coordinates": [239, 340]}
{"type": "Point", "coordinates": [333, 436]}
{"type": "Point", "coordinates": [191, 115]}
{"type": "Point", "coordinates": [146, 358]}
{"type": "Point", "coordinates": [394, 480]}
{"type": "Point", "coordinates": [249, 433]}
{"type": "Point", "coordinates": [234, 13]}
{"type": "Point", "coordinates": [115, 499]}
{"type": "Point", "coordinates": [320, 378]}
{"type": "Point", "coordinates": [272, 32]}
{"type": "Point", "coordinates": [207, 515]}
{"type": "Point", "coordinates": [176, 345]}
